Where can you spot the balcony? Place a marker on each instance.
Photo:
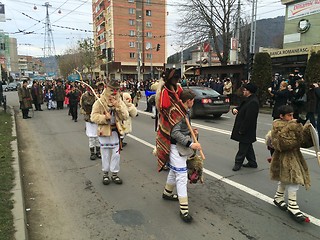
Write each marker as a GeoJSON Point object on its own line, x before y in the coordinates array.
{"type": "Point", "coordinates": [100, 10]}
{"type": "Point", "coordinates": [102, 30]}
{"type": "Point", "coordinates": [101, 20]}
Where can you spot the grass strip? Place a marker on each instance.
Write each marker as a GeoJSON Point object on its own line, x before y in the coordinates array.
{"type": "Point", "coordinates": [6, 177]}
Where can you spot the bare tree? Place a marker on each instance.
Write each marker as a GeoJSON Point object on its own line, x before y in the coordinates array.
{"type": "Point", "coordinates": [82, 56]}
{"type": "Point", "coordinates": [202, 19]}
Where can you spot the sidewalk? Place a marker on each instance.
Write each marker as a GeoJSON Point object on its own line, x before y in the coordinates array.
{"type": "Point", "coordinates": [18, 211]}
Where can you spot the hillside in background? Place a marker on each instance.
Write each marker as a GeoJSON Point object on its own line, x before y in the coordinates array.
{"type": "Point", "coordinates": [269, 33]}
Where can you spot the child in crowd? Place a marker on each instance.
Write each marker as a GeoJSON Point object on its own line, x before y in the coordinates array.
{"type": "Point", "coordinates": [288, 166]}
{"type": "Point", "coordinates": [50, 99]}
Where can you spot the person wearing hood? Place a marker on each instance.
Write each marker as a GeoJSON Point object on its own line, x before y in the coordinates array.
{"type": "Point", "coordinates": [110, 112]}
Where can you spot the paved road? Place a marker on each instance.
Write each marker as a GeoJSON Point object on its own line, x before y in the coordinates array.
{"type": "Point", "coordinates": [68, 201]}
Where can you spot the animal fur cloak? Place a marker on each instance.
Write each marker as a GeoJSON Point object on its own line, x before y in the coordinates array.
{"type": "Point", "coordinates": [288, 164]}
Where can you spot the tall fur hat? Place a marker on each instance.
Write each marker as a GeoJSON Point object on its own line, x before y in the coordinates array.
{"type": "Point", "coordinates": [170, 74]}
{"type": "Point", "coordinates": [114, 84]}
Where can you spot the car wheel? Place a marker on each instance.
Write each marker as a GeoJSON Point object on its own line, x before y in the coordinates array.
{"type": "Point", "coordinates": [191, 113]}
{"type": "Point", "coordinates": [217, 115]}
{"type": "Point", "coordinates": [6, 90]}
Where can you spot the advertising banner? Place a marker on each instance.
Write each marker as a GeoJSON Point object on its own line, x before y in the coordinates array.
{"type": "Point", "coordinates": [303, 9]}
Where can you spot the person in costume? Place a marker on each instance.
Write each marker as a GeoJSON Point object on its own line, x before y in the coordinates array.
{"type": "Point", "coordinates": [86, 102]}
{"type": "Point", "coordinates": [100, 88]}
{"type": "Point", "coordinates": [181, 148]}
{"type": "Point", "coordinates": [25, 99]}
{"type": "Point", "coordinates": [171, 111]}
{"type": "Point", "coordinates": [109, 112]}
{"type": "Point", "coordinates": [288, 166]}
{"type": "Point", "coordinates": [132, 113]}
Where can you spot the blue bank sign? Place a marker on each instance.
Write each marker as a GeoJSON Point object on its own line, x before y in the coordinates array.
{"type": "Point", "coordinates": [73, 77]}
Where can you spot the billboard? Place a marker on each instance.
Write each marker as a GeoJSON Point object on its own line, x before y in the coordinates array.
{"type": "Point", "coordinates": [303, 9]}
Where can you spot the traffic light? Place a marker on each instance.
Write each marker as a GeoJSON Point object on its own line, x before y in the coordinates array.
{"type": "Point", "coordinates": [158, 47]}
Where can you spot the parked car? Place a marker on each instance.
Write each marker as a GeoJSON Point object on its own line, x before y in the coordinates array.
{"type": "Point", "coordinates": [13, 86]}
{"type": "Point", "coordinates": [4, 87]}
{"type": "Point", "coordinates": [208, 101]}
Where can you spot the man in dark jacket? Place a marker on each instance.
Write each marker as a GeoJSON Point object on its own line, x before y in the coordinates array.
{"type": "Point", "coordinates": [37, 95]}
{"type": "Point", "coordinates": [74, 97]}
{"type": "Point", "coordinates": [60, 94]}
{"type": "Point", "coordinates": [245, 126]}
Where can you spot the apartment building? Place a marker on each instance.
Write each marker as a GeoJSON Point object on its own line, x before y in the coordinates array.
{"type": "Point", "coordinates": [131, 37]}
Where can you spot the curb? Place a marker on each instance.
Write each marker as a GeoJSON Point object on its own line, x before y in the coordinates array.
{"type": "Point", "coordinates": [18, 211]}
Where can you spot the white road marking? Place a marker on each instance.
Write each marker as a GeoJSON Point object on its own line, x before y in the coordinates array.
{"type": "Point", "coordinates": [239, 186]}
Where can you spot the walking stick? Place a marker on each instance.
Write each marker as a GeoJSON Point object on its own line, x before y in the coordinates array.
{"type": "Point", "coordinates": [190, 128]}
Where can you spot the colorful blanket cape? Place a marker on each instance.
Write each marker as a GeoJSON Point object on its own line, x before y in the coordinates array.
{"type": "Point", "coordinates": [171, 112]}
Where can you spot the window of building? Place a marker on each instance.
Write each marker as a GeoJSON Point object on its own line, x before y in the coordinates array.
{"type": "Point", "coordinates": [132, 44]}
{"type": "Point", "coordinates": [132, 55]}
{"type": "Point", "coordinates": [148, 24]}
{"type": "Point", "coordinates": [131, 33]}
{"type": "Point", "coordinates": [149, 56]}
{"type": "Point", "coordinates": [131, 22]}
{"type": "Point", "coordinates": [148, 12]}
{"type": "Point", "coordinates": [148, 45]}
{"type": "Point", "coordinates": [149, 34]}
{"type": "Point", "coordinates": [2, 46]}
{"type": "Point", "coordinates": [132, 11]}
{"type": "Point", "coordinates": [148, 2]}
{"type": "Point", "coordinates": [131, 1]}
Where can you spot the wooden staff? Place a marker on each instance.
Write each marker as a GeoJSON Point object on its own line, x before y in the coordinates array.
{"type": "Point", "coordinates": [81, 81]}
{"type": "Point", "coordinates": [190, 128]}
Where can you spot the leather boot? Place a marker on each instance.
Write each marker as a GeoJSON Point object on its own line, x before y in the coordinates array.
{"type": "Point", "coordinates": [294, 210]}
{"type": "Point", "coordinates": [92, 154]}
{"type": "Point", "coordinates": [98, 153]}
{"type": "Point", "coordinates": [184, 210]}
{"type": "Point", "coordinates": [279, 197]}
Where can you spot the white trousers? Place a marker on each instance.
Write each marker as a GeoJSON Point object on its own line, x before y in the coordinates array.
{"type": "Point", "coordinates": [91, 132]}
{"type": "Point", "coordinates": [91, 129]}
{"type": "Point", "coordinates": [178, 174]}
{"type": "Point", "coordinates": [290, 187]}
{"type": "Point", "coordinates": [94, 142]}
{"type": "Point", "coordinates": [110, 154]}
{"type": "Point", "coordinates": [51, 104]}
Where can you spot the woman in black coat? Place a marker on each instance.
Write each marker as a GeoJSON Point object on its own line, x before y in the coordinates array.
{"type": "Point", "coordinates": [299, 100]}
{"type": "Point", "coordinates": [281, 98]}
{"type": "Point", "coordinates": [311, 104]}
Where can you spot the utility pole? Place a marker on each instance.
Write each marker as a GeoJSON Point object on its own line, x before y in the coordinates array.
{"type": "Point", "coordinates": [210, 35]}
{"type": "Point", "coordinates": [253, 33]}
{"type": "Point", "coordinates": [49, 48]}
{"type": "Point", "coordinates": [238, 32]}
{"type": "Point", "coordinates": [151, 67]}
{"type": "Point", "coordinates": [181, 63]}
{"type": "Point", "coordinates": [139, 6]}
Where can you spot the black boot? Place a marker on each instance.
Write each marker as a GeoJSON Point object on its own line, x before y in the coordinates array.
{"type": "Point", "coordinates": [93, 155]}
{"type": "Point", "coordinates": [98, 153]}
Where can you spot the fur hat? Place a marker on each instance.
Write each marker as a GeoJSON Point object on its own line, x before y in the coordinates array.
{"type": "Point", "coordinates": [100, 83]}
{"type": "Point", "coordinates": [114, 84]}
{"type": "Point", "coordinates": [250, 87]}
{"type": "Point", "coordinates": [171, 73]}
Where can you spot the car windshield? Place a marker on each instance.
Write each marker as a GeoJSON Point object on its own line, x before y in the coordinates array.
{"type": "Point", "coordinates": [206, 92]}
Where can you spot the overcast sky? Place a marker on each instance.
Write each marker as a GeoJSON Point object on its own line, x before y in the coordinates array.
{"type": "Point", "coordinates": [27, 24]}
